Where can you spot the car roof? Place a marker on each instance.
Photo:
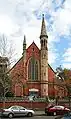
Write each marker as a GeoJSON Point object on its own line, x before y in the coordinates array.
{"type": "Point", "coordinates": [59, 106]}
{"type": "Point", "coordinates": [17, 106]}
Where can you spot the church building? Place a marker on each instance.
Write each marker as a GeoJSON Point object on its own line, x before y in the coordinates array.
{"type": "Point", "coordinates": [32, 74]}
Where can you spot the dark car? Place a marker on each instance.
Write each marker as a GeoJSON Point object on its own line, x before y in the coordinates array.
{"type": "Point", "coordinates": [17, 111]}
{"type": "Point", "coordinates": [56, 110]}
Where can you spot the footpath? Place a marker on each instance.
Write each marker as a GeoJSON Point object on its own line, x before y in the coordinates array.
{"type": "Point", "coordinates": [38, 113]}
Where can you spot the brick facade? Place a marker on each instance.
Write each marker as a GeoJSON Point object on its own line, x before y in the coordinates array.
{"type": "Point", "coordinates": [21, 84]}
{"type": "Point", "coordinates": [32, 74]}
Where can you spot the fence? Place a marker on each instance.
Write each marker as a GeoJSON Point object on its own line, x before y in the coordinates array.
{"type": "Point", "coordinates": [37, 103]}
{"type": "Point", "coordinates": [26, 98]}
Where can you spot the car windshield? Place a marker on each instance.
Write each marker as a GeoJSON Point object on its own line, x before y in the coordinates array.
{"type": "Point", "coordinates": [50, 105]}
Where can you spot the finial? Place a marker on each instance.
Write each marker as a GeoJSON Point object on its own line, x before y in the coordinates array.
{"type": "Point", "coordinates": [24, 39]}
{"type": "Point", "coordinates": [42, 15]}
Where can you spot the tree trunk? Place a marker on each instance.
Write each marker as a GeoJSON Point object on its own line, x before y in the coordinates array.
{"type": "Point", "coordinates": [4, 99]}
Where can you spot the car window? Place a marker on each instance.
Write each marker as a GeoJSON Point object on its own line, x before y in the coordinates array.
{"type": "Point", "coordinates": [21, 108]}
{"type": "Point", "coordinates": [51, 106]}
{"type": "Point", "coordinates": [14, 108]}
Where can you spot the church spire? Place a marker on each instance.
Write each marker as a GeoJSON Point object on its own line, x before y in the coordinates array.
{"type": "Point", "coordinates": [24, 40]}
{"type": "Point", "coordinates": [43, 28]}
{"type": "Point", "coordinates": [43, 59]}
{"type": "Point", "coordinates": [24, 44]}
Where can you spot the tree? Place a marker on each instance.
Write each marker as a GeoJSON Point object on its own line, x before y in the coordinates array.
{"type": "Point", "coordinates": [65, 76]}
{"type": "Point", "coordinates": [6, 52]}
{"type": "Point", "coordinates": [7, 49]}
{"type": "Point", "coordinates": [5, 79]}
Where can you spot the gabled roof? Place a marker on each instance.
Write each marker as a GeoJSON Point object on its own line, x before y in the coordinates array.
{"type": "Point", "coordinates": [16, 63]}
{"type": "Point", "coordinates": [22, 57]}
{"type": "Point", "coordinates": [51, 68]}
{"type": "Point", "coordinates": [33, 43]}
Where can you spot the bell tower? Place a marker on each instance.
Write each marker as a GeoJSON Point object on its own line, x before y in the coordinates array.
{"type": "Point", "coordinates": [44, 60]}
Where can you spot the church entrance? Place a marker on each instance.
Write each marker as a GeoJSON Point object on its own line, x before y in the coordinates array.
{"type": "Point", "coordinates": [33, 92]}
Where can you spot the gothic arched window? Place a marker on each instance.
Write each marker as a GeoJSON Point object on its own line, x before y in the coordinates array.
{"type": "Point", "coordinates": [33, 69]}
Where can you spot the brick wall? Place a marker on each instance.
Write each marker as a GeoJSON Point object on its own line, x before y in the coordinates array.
{"type": "Point", "coordinates": [33, 105]}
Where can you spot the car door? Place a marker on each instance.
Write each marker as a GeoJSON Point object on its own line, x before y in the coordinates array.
{"type": "Point", "coordinates": [59, 110]}
{"type": "Point", "coordinates": [15, 110]}
{"type": "Point", "coordinates": [56, 109]}
{"type": "Point", "coordinates": [22, 111]}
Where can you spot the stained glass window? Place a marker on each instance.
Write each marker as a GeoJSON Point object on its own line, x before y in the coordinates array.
{"type": "Point", "coordinates": [33, 69]}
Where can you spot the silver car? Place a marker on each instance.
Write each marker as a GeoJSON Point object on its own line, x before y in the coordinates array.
{"type": "Point", "coordinates": [17, 111]}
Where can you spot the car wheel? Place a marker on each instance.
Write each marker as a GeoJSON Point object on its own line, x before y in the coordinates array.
{"type": "Point", "coordinates": [29, 114]}
{"type": "Point", "coordinates": [10, 115]}
{"type": "Point", "coordinates": [54, 113]}
{"type": "Point", "coordinates": [47, 113]}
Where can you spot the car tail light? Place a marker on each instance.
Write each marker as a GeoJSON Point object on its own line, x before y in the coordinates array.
{"type": "Point", "coordinates": [2, 110]}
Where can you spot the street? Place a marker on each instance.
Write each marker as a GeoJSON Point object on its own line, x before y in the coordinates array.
{"type": "Point", "coordinates": [34, 117]}
{"type": "Point", "coordinates": [38, 115]}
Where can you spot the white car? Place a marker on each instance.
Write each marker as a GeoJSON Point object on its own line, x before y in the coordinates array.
{"type": "Point", "coordinates": [17, 111]}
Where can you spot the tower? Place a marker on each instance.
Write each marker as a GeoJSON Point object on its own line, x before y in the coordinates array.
{"type": "Point", "coordinates": [24, 56]}
{"type": "Point", "coordinates": [24, 50]}
{"type": "Point", "coordinates": [44, 60]}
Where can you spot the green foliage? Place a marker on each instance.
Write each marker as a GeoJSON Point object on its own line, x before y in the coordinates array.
{"type": "Point", "coordinates": [47, 100]}
{"type": "Point", "coordinates": [51, 97]}
{"type": "Point", "coordinates": [65, 76]}
{"type": "Point", "coordinates": [9, 94]}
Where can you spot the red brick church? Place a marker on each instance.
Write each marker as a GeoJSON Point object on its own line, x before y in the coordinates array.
{"type": "Point", "coordinates": [32, 75]}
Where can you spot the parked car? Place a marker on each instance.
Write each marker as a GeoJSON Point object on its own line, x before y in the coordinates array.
{"type": "Point", "coordinates": [17, 111]}
{"type": "Point", "coordinates": [56, 110]}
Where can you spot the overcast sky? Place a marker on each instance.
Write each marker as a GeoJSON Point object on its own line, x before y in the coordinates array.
{"type": "Point", "coordinates": [23, 17]}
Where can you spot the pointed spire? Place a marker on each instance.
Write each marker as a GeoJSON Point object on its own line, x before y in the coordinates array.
{"type": "Point", "coordinates": [24, 44]}
{"type": "Point", "coordinates": [43, 28]}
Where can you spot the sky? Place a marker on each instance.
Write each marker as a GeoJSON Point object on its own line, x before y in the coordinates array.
{"type": "Point", "coordinates": [23, 17]}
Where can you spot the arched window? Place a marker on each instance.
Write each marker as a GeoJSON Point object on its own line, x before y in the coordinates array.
{"type": "Point", "coordinates": [33, 69]}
